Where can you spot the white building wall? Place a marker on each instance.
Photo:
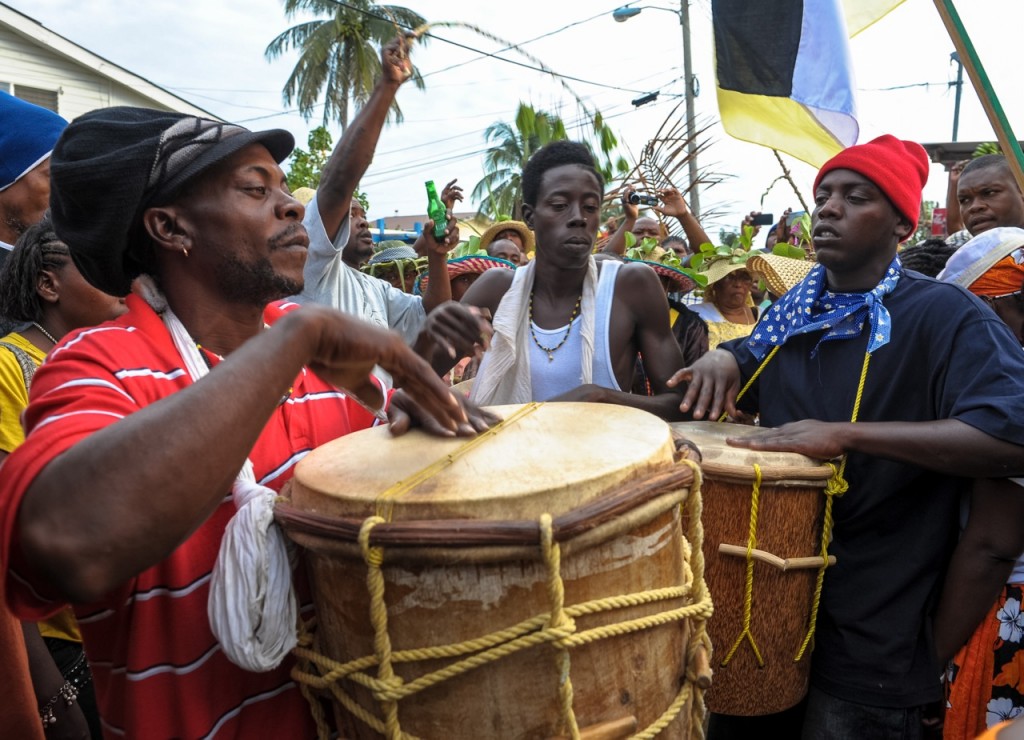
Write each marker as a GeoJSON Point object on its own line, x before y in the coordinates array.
{"type": "Point", "coordinates": [79, 88]}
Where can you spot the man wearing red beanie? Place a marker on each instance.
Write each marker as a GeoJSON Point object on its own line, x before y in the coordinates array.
{"type": "Point", "coordinates": [861, 340]}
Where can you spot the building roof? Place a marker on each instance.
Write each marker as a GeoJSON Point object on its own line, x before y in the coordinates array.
{"type": "Point", "coordinates": [949, 153]}
{"type": "Point", "coordinates": [36, 33]}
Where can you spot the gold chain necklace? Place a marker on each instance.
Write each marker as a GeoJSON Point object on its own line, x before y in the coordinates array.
{"type": "Point", "coordinates": [45, 333]}
{"type": "Point", "coordinates": [551, 350]}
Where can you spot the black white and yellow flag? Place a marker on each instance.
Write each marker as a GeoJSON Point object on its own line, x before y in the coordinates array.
{"type": "Point", "coordinates": [785, 79]}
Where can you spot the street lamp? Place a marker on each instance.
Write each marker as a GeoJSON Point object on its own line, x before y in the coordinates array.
{"type": "Point", "coordinates": [623, 14]}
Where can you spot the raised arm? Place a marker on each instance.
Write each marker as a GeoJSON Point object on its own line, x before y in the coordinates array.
{"type": "Point", "coordinates": [439, 287]}
{"type": "Point", "coordinates": [673, 204]}
{"type": "Point", "coordinates": [88, 522]}
{"type": "Point", "coordinates": [954, 219]}
{"type": "Point", "coordinates": [354, 152]}
{"type": "Point", "coordinates": [617, 241]}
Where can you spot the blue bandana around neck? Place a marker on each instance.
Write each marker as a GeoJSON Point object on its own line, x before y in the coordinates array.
{"type": "Point", "coordinates": [810, 307]}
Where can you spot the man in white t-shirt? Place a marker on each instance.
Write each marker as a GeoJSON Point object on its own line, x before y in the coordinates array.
{"type": "Point", "coordinates": [336, 223]}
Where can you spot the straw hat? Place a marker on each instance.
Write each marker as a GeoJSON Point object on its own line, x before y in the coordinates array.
{"type": "Point", "coordinates": [518, 226]}
{"type": "Point", "coordinates": [393, 254]}
{"type": "Point", "coordinates": [473, 264]}
{"type": "Point", "coordinates": [684, 282]}
{"type": "Point", "coordinates": [779, 272]}
{"type": "Point", "coordinates": [304, 195]}
{"type": "Point", "coordinates": [718, 269]}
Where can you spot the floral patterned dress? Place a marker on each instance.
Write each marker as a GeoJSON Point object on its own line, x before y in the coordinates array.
{"type": "Point", "coordinates": [985, 679]}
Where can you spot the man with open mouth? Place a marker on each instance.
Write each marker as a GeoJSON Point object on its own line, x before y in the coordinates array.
{"type": "Point", "coordinates": [879, 369]}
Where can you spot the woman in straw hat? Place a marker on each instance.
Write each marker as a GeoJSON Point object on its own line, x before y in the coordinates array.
{"type": "Point", "coordinates": [728, 308]}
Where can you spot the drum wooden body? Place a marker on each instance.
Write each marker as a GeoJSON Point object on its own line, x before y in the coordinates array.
{"type": "Point", "coordinates": [462, 560]}
{"type": "Point", "coordinates": [790, 510]}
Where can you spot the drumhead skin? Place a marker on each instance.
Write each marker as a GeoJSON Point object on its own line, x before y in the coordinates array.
{"type": "Point", "coordinates": [709, 437]}
{"type": "Point", "coordinates": [550, 460]}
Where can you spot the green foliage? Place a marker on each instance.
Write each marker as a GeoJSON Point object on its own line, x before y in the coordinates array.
{"type": "Point", "coordinates": [500, 190]}
{"type": "Point", "coordinates": [648, 250]}
{"type": "Point", "coordinates": [986, 147]}
{"type": "Point", "coordinates": [736, 251]}
{"type": "Point", "coordinates": [339, 54]}
{"type": "Point", "coordinates": [307, 166]}
{"type": "Point", "coordinates": [924, 222]}
{"type": "Point", "coordinates": [468, 248]}
{"type": "Point", "coordinates": [785, 249]}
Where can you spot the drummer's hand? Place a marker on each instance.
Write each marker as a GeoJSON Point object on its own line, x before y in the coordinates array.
{"type": "Point", "coordinates": [822, 440]}
{"type": "Point", "coordinates": [344, 351]}
{"type": "Point", "coordinates": [460, 331]}
{"type": "Point", "coordinates": [714, 381]}
{"type": "Point", "coordinates": [404, 413]}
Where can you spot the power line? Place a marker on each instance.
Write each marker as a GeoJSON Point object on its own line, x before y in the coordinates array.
{"type": "Point", "coordinates": [493, 55]}
{"type": "Point", "coordinates": [513, 46]}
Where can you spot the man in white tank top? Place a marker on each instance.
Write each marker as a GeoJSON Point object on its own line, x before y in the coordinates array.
{"type": "Point", "coordinates": [568, 328]}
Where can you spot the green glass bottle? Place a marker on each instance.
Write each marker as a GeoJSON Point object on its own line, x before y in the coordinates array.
{"type": "Point", "coordinates": [436, 211]}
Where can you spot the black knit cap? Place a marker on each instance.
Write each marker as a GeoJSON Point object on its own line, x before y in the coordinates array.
{"type": "Point", "coordinates": [111, 164]}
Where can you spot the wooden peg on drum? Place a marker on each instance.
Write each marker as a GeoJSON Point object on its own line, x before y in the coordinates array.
{"type": "Point", "coordinates": [615, 729]}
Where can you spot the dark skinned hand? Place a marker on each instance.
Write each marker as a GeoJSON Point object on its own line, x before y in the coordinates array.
{"type": "Point", "coordinates": [714, 381]}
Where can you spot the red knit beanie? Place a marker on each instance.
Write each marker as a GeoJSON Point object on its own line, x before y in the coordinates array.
{"type": "Point", "coordinates": [898, 168]}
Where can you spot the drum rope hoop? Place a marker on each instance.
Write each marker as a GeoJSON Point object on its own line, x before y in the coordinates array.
{"type": "Point", "coordinates": [557, 627]}
{"type": "Point", "coordinates": [836, 486]}
{"type": "Point", "coordinates": [386, 500]}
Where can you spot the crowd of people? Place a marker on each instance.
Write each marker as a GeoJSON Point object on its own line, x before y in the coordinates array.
{"type": "Point", "coordinates": [174, 315]}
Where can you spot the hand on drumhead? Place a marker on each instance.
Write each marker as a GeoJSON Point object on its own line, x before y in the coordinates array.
{"type": "Point", "coordinates": [713, 382]}
{"type": "Point", "coordinates": [405, 413]}
{"type": "Point", "coordinates": [822, 440]}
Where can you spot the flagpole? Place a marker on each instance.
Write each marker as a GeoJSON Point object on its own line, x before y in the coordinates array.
{"type": "Point", "coordinates": [996, 116]}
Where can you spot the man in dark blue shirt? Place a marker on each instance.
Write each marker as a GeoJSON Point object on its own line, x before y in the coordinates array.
{"type": "Point", "coordinates": [937, 382]}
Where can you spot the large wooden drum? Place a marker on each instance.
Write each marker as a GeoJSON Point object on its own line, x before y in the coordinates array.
{"type": "Point", "coordinates": [521, 584]}
{"type": "Point", "coordinates": [757, 671]}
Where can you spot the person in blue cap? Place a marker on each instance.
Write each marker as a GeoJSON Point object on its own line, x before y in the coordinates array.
{"type": "Point", "coordinates": [27, 136]}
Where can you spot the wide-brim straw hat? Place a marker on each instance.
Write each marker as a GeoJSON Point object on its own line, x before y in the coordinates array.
{"type": "Point", "coordinates": [469, 265]}
{"type": "Point", "coordinates": [718, 269]}
{"type": "Point", "coordinates": [524, 231]}
{"type": "Point", "coordinates": [303, 195]}
{"type": "Point", "coordinates": [780, 273]}
{"type": "Point", "coordinates": [684, 282]}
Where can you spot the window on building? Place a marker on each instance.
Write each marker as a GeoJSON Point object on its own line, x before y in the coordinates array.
{"type": "Point", "coordinates": [37, 96]}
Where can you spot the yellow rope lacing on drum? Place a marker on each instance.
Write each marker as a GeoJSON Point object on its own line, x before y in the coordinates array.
{"type": "Point", "coordinates": [748, 587]}
{"type": "Point", "coordinates": [836, 486]}
{"type": "Point", "coordinates": [557, 627]}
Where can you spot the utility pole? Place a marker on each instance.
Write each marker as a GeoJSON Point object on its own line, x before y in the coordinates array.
{"type": "Point", "coordinates": [691, 124]}
{"type": "Point", "coordinates": [955, 57]}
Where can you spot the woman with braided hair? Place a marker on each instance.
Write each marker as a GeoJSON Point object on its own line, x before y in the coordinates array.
{"type": "Point", "coordinates": [42, 293]}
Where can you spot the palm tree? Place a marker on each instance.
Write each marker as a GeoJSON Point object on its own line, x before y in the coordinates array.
{"type": "Point", "coordinates": [340, 54]}
{"type": "Point", "coordinates": [500, 191]}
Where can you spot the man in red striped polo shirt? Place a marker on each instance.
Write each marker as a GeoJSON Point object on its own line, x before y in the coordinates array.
{"type": "Point", "coordinates": [118, 499]}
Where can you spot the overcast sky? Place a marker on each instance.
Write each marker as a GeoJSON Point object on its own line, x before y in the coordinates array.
{"type": "Point", "coordinates": [211, 53]}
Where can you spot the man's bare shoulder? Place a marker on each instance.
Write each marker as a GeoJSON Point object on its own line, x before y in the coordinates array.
{"type": "Point", "coordinates": [489, 288]}
{"type": "Point", "coordinates": [636, 281]}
